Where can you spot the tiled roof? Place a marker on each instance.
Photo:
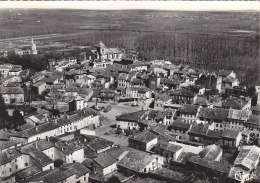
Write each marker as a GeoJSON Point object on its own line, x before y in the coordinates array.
{"type": "Point", "coordinates": [109, 157]}
{"type": "Point", "coordinates": [253, 121]}
{"type": "Point", "coordinates": [189, 109]}
{"type": "Point", "coordinates": [235, 102]}
{"type": "Point", "coordinates": [136, 160]}
{"type": "Point", "coordinates": [213, 113]}
{"type": "Point", "coordinates": [238, 114]}
{"type": "Point", "coordinates": [11, 90]}
{"type": "Point", "coordinates": [230, 133]}
{"type": "Point", "coordinates": [199, 129]}
{"type": "Point", "coordinates": [211, 152]}
{"type": "Point", "coordinates": [144, 137]}
{"type": "Point", "coordinates": [27, 172]}
{"type": "Point", "coordinates": [133, 116]}
{"type": "Point", "coordinates": [44, 127]}
{"type": "Point", "coordinates": [77, 168]}
{"type": "Point", "coordinates": [162, 96]}
{"type": "Point", "coordinates": [99, 144]}
{"type": "Point", "coordinates": [213, 165]}
{"type": "Point", "coordinates": [168, 147]}
{"type": "Point", "coordinates": [247, 157]}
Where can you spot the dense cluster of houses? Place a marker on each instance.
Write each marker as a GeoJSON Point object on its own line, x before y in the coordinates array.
{"type": "Point", "coordinates": [193, 122]}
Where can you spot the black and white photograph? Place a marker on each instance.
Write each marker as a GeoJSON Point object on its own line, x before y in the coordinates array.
{"type": "Point", "coordinates": [129, 92]}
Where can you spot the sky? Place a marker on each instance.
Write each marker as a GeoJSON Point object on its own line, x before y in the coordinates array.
{"type": "Point", "coordinates": [122, 5]}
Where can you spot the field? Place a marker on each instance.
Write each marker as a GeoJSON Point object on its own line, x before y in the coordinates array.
{"type": "Point", "coordinates": [210, 40]}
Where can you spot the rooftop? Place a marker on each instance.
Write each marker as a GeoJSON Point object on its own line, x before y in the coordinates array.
{"type": "Point", "coordinates": [144, 137]}
{"type": "Point", "coordinates": [211, 152]}
{"type": "Point", "coordinates": [11, 90]}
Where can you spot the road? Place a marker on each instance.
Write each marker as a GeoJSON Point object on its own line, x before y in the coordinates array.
{"type": "Point", "coordinates": [109, 119]}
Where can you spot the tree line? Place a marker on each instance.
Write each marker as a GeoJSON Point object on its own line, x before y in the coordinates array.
{"type": "Point", "coordinates": [203, 51]}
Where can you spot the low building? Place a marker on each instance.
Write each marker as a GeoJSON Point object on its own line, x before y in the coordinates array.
{"type": "Point", "coordinates": [12, 95]}
{"type": "Point", "coordinates": [245, 163]}
{"type": "Point", "coordinates": [144, 141]}
{"type": "Point", "coordinates": [130, 121]}
{"type": "Point", "coordinates": [106, 162]}
{"type": "Point", "coordinates": [139, 162]}
{"type": "Point", "coordinates": [232, 138]}
{"type": "Point", "coordinates": [253, 124]}
{"type": "Point", "coordinates": [189, 113]}
{"type": "Point", "coordinates": [167, 150]}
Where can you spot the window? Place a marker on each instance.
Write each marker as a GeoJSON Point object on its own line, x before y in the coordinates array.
{"type": "Point", "coordinates": [25, 164]}
{"type": "Point", "coordinates": [10, 169]}
{"type": "Point", "coordinates": [3, 172]}
{"type": "Point", "coordinates": [16, 166]}
{"type": "Point", "coordinates": [15, 160]}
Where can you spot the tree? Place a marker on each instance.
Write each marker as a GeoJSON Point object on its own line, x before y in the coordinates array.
{"type": "Point", "coordinates": [113, 179]}
{"type": "Point", "coordinates": [3, 114]}
{"type": "Point", "coordinates": [16, 120]}
{"type": "Point", "coordinates": [58, 163]}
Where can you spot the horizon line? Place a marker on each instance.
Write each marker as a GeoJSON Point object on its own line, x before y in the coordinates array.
{"type": "Point", "coordinates": [135, 5]}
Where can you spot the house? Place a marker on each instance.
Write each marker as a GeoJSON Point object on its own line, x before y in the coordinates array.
{"type": "Point", "coordinates": [203, 134]}
{"type": "Point", "coordinates": [165, 117]}
{"type": "Point", "coordinates": [189, 113]}
{"type": "Point", "coordinates": [245, 163]}
{"type": "Point", "coordinates": [237, 103]}
{"type": "Point", "coordinates": [139, 162]}
{"type": "Point", "coordinates": [167, 150]}
{"type": "Point", "coordinates": [39, 87]}
{"type": "Point", "coordinates": [102, 64]}
{"type": "Point", "coordinates": [138, 93]}
{"type": "Point", "coordinates": [8, 80]}
{"type": "Point", "coordinates": [69, 151]}
{"type": "Point", "coordinates": [159, 101]}
{"type": "Point", "coordinates": [139, 66]}
{"type": "Point", "coordinates": [74, 172]}
{"type": "Point", "coordinates": [77, 104]}
{"type": "Point", "coordinates": [15, 71]}
{"type": "Point", "coordinates": [231, 137]}
{"type": "Point", "coordinates": [107, 94]}
{"type": "Point", "coordinates": [26, 173]}
{"type": "Point", "coordinates": [106, 162]}
{"type": "Point", "coordinates": [104, 52]}
{"type": "Point", "coordinates": [12, 161]}
{"type": "Point", "coordinates": [42, 131]}
{"type": "Point", "coordinates": [180, 129]}
{"type": "Point", "coordinates": [236, 119]}
{"type": "Point", "coordinates": [211, 153]}
{"type": "Point", "coordinates": [86, 118]}
{"type": "Point", "coordinates": [229, 82]}
{"type": "Point", "coordinates": [214, 116]}
{"type": "Point", "coordinates": [4, 69]}
{"type": "Point", "coordinates": [130, 121]}
{"type": "Point", "coordinates": [183, 96]}
{"type": "Point", "coordinates": [253, 124]}
{"type": "Point", "coordinates": [215, 169]}
{"type": "Point", "coordinates": [144, 141]}
{"type": "Point", "coordinates": [12, 95]}
{"type": "Point", "coordinates": [123, 80]}
{"type": "Point", "coordinates": [210, 81]}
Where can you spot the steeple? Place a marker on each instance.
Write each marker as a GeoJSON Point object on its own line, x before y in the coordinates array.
{"type": "Point", "coordinates": [34, 50]}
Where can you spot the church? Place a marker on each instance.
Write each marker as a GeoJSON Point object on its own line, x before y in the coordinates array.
{"type": "Point", "coordinates": [32, 51]}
